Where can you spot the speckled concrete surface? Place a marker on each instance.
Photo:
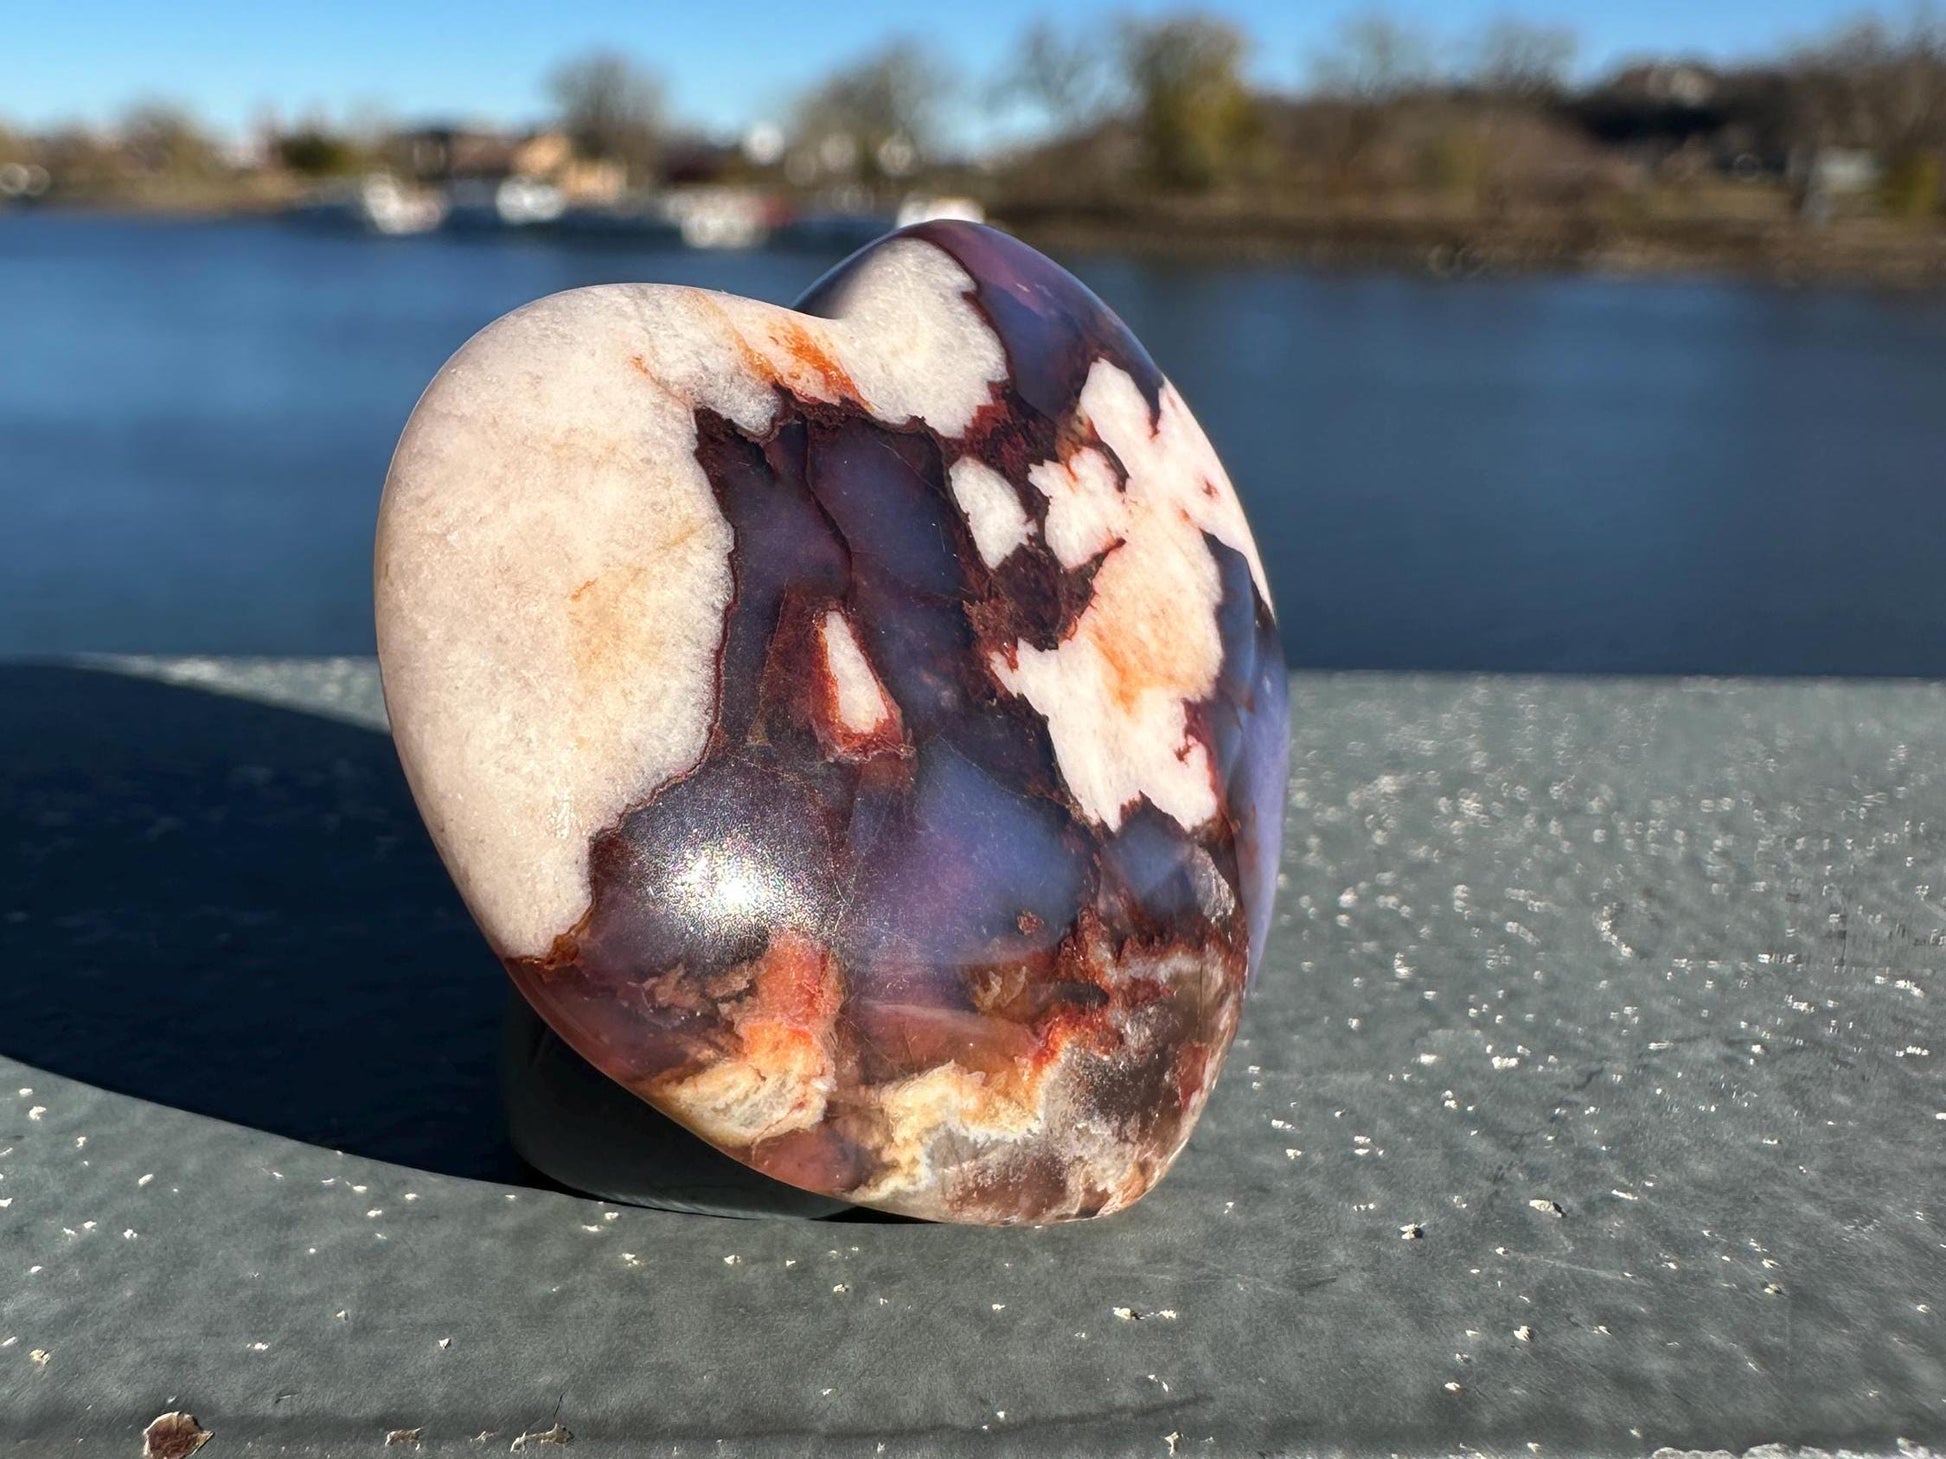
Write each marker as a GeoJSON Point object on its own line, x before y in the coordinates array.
{"type": "Point", "coordinates": [1590, 1101]}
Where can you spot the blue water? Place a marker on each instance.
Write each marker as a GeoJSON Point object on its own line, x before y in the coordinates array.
{"type": "Point", "coordinates": [1531, 473]}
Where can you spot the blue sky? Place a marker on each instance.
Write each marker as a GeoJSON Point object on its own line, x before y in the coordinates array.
{"type": "Point", "coordinates": [727, 62]}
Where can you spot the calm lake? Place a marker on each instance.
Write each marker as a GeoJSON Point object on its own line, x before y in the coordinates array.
{"type": "Point", "coordinates": [1530, 473]}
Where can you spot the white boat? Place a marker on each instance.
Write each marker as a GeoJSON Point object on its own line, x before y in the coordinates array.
{"type": "Point", "coordinates": [393, 209]}
{"type": "Point", "coordinates": [378, 204]}
{"type": "Point", "coordinates": [23, 180]}
{"type": "Point", "coordinates": [718, 217]}
{"type": "Point", "coordinates": [509, 202]}
{"type": "Point", "coordinates": [523, 201]}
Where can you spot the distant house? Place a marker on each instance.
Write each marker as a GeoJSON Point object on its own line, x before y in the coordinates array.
{"type": "Point", "coordinates": [541, 154]}
{"type": "Point", "coordinates": [1654, 110]}
{"type": "Point", "coordinates": [1677, 84]}
{"type": "Point", "coordinates": [447, 154]}
{"type": "Point", "coordinates": [1843, 171]}
{"type": "Point", "coordinates": [696, 160]}
{"type": "Point", "coordinates": [1684, 117]}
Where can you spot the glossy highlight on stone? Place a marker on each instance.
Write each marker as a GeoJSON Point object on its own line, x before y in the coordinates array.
{"type": "Point", "coordinates": [859, 729]}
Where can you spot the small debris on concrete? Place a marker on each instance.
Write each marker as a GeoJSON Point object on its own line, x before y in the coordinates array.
{"type": "Point", "coordinates": [173, 1435]}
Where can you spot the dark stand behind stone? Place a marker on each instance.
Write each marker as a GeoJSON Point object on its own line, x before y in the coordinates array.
{"type": "Point", "coordinates": [577, 1126]}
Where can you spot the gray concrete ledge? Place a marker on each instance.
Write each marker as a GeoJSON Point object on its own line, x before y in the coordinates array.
{"type": "Point", "coordinates": [1591, 1101]}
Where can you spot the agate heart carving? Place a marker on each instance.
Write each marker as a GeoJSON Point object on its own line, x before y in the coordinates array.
{"type": "Point", "coordinates": [860, 729]}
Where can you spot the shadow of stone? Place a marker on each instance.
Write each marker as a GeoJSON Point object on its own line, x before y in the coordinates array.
{"type": "Point", "coordinates": [233, 909]}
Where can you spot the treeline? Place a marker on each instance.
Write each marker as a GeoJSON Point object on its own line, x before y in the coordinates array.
{"type": "Point", "coordinates": [1389, 115]}
{"type": "Point", "coordinates": [1495, 118]}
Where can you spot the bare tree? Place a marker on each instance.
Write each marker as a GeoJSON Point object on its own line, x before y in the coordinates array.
{"type": "Point", "coordinates": [612, 108]}
{"type": "Point", "coordinates": [1066, 78]}
{"type": "Point", "coordinates": [879, 117]}
{"type": "Point", "coordinates": [1376, 58]}
{"type": "Point", "coordinates": [1882, 88]}
{"type": "Point", "coordinates": [1886, 85]}
{"type": "Point", "coordinates": [1184, 75]}
{"type": "Point", "coordinates": [1524, 61]}
{"type": "Point", "coordinates": [164, 140]}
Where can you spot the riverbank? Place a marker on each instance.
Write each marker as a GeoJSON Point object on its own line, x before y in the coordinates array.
{"type": "Point", "coordinates": [1873, 252]}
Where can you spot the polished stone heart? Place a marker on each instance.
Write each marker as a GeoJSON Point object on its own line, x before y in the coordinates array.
{"type": "Point", "coordinates": [859, 729]}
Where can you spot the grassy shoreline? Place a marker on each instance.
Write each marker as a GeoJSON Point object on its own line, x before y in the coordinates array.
{"type": "Point", "coordinates": [1861, 252]}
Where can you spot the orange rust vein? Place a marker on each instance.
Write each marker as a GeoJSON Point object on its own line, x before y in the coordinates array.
{"type": "Point", "coordinates": [805, 348]}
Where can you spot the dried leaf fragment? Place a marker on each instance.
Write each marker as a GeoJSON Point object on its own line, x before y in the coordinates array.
{"type": "Point", "coordinates": [173, 1436]}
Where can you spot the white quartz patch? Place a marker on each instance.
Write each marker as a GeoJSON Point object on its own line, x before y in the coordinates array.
{"type": "Point", "coordinates": [992, 509]}
{"type": "Point", "coordinates": [1171, 456]}
{"type": "Point", "coordinates": [1086, 513]}
{"type": "Point", "coordinates": [862, 703]}
{"type": "Point", "coordinates": [916, 347]}
{"type": "Point", "coordinates": [1115, 692]}
{"type": "Point", "coordinates": [552, 568]}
